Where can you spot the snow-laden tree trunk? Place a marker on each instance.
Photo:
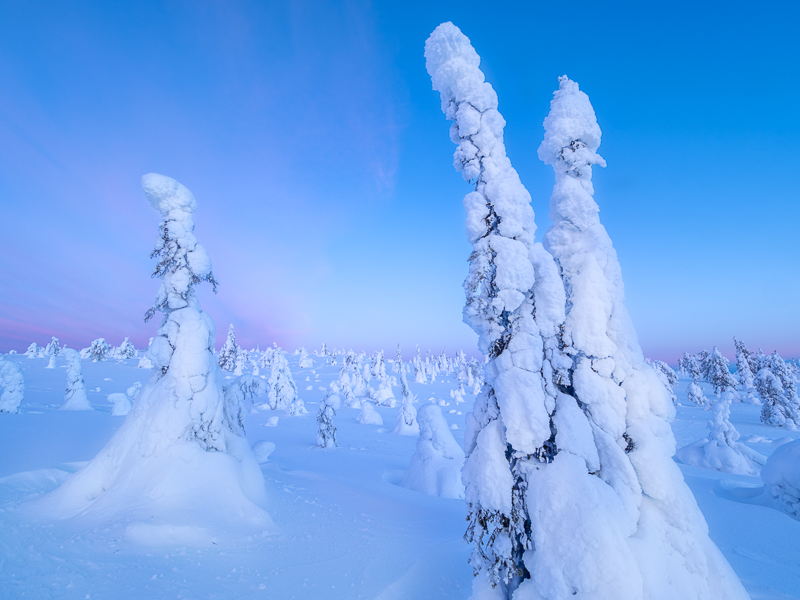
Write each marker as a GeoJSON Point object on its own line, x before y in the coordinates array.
{"type": "Point", "coordinates": [179, 468]}
{"type": "Point", "coordinates": [638, 532]}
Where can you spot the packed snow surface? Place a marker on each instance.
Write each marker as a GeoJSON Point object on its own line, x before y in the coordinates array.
{"type": "Point", "coordinates": [347, 528]}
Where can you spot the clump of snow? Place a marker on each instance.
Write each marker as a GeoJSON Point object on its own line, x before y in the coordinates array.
{"type": "Point", "coordinates": [435, 467]}
{"type": "Point", "coordinates": [781, 475]}
{"type": "Point", "coordinates": [121, 404]}
{"type": "Point", "coordinates": [13, 383]}
{"type": "Point", "coordinates": [368, 414]}
{"type": "Point", "coordinates": [177, 470]}
{"type": "Point", "coordinates": [272, 422]}
{"type": "Point", "coordinates": [262, 450]}
{"type": "Point", "coordinates": [75, 397]}
{"type": "Point", "coordinates": [720, 450]}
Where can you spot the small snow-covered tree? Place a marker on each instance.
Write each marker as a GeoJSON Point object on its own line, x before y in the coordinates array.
{"type": "Point", "coordinates": [368, 414]}
{"type": "Point", "coordinates": [437, 461]}
{"type": "Point", "coordinates": [281, 388]}
{"type": "Point", "coordinates": [98, 350]}
{"type": "Point", "coordinates": [326, 434]}
{"type": "Point", "coordinates": [397, 366]}
{"type": "Point", "coordinates": [125, 350]}
{"type": "Point", "coordinates": [781, 370]}
{"type": "Point", "coordinates": [720, 450]}
{"type": "Point", "coordinates": [777, 409]}
{"type": "Point", "coordinates": [32, 351]}
{"type": "Point", "coordinates": [743, 372]}
{"type": "Point", "coordinates": [229, 351]}
{"type": "Point", "coordinates": [718, 373]}
{"type": "Point", "coordinates": [695, 394]}
{"type": "Point", "coordinates": [52, 348]}
{"type": "Point", "coordinates": [406, 423]}
{"type": "Point", "coordinates": [179, 424]}
{"type": "Point", "coordinates": [667, 376]}
{"type": "Point", "coordinates": [13, 383]}
{"type": "Point", "coordinates": [75, 397]}
{"type": "Point", "coordinates": [378, 366]}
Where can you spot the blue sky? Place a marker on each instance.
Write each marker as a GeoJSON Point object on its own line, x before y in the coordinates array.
{"type": "Point", "coordinates": [320, 159]}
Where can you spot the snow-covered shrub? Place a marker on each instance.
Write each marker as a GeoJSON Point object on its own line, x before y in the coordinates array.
{"type": "Point", "coordinates": [590, 423]}
{"type": "Point", "coordinates": [384, 396]}
{"type": "Point", "coordinates": [32, 351]}
{"type": "Point", "coordinates": [695, 394]}
{"type": "Point", "coordinates": [406, 423]}
{"type": "Point", "coordinates": [781, 475]}
{"type": "Point", "coordinates": [720, 450]}
{"type": "Point", "coordinates": [306, 362]}
{"type": "Point", "coordinates": [75, 397]}
{"type": "Point", "coordinates": [368, 414]}
{"type": "Point", "coordinates": [177, 467]}
{"type": "Point", "coordinates": [125, 350]}
{"type": "Point", "coordinates": [98, 350]}
{"type": "Point", "coordinates": [121, 404]}
{"type": "Point", "coordinates": [436, 464]}
{"type": "Point", "coordinates": [145, 363]}
{"type": "Point", "coordinates": [229, 351]}
{"type": "Point", "coordinates": [326, 433]}
{"type": "Point", "coordinates": [281, 388]}
{"type": "Point", "coordinates": [13, 383]}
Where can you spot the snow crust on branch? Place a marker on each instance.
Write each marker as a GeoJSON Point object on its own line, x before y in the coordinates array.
{"type": "Point", "coordinates": [178, 470]}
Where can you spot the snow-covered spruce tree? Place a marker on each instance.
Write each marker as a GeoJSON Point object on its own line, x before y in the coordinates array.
{"type": "Point", "coordinates": [743, 372]}
{"type": "Point", "coordinates": [32, 351]}
{"type": "Point", "coordinates": [13, 383]}
{"type": "Point", "coordinates": [781, 370]}
{"type": "Point", "coordinates": [718, 373]}
{"type": "Point", "coordinates": [98, 350]}
{"type": "Point", "coordinates": [305, 362]}
{"type": "Point", "coordinates": [125, 350]}
{"type": "Point", "coordinates": [397, 366]}
{"type": "Point", "coordinates": [177, 468]}
{"type": "Point", "coordinates": [229, 351]}
{"type": "Point", "coordinates": [326, 434]}
{"type": "Point", "coordinates": [406, 423]}
{"type": "Point", "coordinates": [695, 394]}
{"type": "Point", "coordinates": [777, 408]}
{"type": "Point", "coordinates": [75, 396]}
{"type": "Point", "coordinates": [720, 450]}
{"type": "Point", "coordinates": [281, 388]}
{"type": "Point", "coordinates": [667, 376]}
{"type": "Point", "coordinates": [649, 516]}
{"type": "Point", "coordinates": [52, 348]}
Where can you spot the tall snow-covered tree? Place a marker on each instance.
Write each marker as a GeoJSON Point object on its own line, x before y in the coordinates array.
{"type": "Point", "coordinates": [13, 383]}
{"type": "Point", "coordinates": [229, 351]}
{"type": "Point", "coordinates": [75, 396]}
{"type": "Point", "coordinates": [177, 459]}
{"type": "Point", "coordinates": [326, 434]}
{"type": "Point", "coordinates": [406, 423]}
{"type": "Point", "coordinates": [620, 399]}
{"type": "Point", "coordinates": [779, 406]}
{"type": "Point", "coordinates": [592, 428]}
{"type": "Point", "coordinates": [743, 372]}
{"type": "Point", "coordinates": [397, 366]}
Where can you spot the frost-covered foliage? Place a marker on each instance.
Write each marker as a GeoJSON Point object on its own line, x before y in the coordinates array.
{"type": "Point", "coordinates": [33, 351]}
{"type": "Point", "coordinates": [368, 414]}
{"type": "Point", "coordinates": [125, 350]}
{"type": "Point", "coordinates": [437, 461]}
{"type": "Point", "coordinates": [99, 350]}
{"type": "Point", "coordinates": [326, 433]}
{"type": "Point", "coordinates": [782, 477]}
{"type": "Point", "coordinates": [569, 408]}
{"type": "Point", "coordinates": [690, 366]}
{"type": "Point", "coordinates": [406, 423]}
{"type": "Point", "coordinates": [695, 394]}
{"type": "Point", "coordinates": [75, 396]}
{"type": "Point", "coordinates": [13, 383]}
{"type": "Point", "coordinates": [384, 396]}
{"type": "Point", "coordinates": [720, 450]}
{"type": "Point", "coordinates": [667, 376]}
{"type": "Point", "coordinates": [229, 351]}
{"type": "Point", "coordinates": [717, 372]}
{"type": "Point", "coordinates": [178, 466]}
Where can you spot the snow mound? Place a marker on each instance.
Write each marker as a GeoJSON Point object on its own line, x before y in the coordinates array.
{"type": "Point", "coordinates": [781, 475]}
{"type": "Point", "coordinates": [435, 467]}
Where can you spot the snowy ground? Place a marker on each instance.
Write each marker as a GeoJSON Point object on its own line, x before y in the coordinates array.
{"type": "Point", "coordinates": [347, 529]}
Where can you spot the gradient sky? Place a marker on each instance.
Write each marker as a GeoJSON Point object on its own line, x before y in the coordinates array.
{"type": "Point", "coordinates": [322, 167]}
